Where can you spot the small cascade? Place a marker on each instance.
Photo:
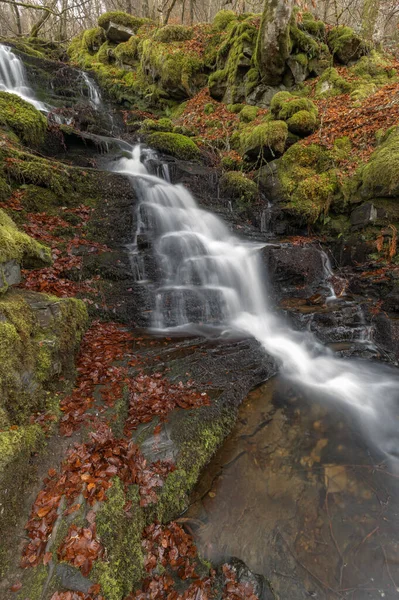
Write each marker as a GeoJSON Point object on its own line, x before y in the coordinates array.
{"type": "Point", "coordinates": [266, 218]}
{"type": "Point", "coordinates": [366, 330]}
{"type": "Point", "coordinates": [212, 278]}
{"type": "Point", "coordinates": [91, 90]}
{"type": "Point", "coordinates": [328, 276]}
{"type": "Point", "coordinates": [13, 78]}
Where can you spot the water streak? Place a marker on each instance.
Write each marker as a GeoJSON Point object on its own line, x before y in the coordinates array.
{"type": "Point", "coordinates": [13, 78]}
{"type": "Point", "coordinates": [212, 277]}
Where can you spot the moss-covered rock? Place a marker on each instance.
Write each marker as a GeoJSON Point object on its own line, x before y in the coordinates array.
{"type": "Point", "coordinates": [380, 176]}
{"type": "Point", "coordinates": [263, 142]}
{"type": "Point", "coordinates": [239, 188]}
{"type": "Point", "coordinates": [121, 18]}
{"type": "Point", "coordinates": [175, 144]}
{"type": "Point", "coordinates": [120, 532]}
{"type": "Point", "coordinates": [163, 124]}
{"type": "Point", "coordinates": [311, 25]}
{"type": "Point", "coordinates": [22, 118]}
{"type": "Point", "coordinates": [40, 336]}
{"type": "Point", "coordinates": [126, 53]}
{"type": "Point", "coordinates": [332, 84]}
{"type": "Point", "coordinates": [17, 245]}
{"type": "Point", "coordinates": [346, 45]}
{"type": "Point", "coordinates": [92, 39]}
{"type": "Point", "coordinates": [308, 180]}
{"type": "Point", "coordinates": [222, 19]}
{"type": "Point", "coordinates": [302, 123]}
{"type": "Point", "coordinates": [248, 114]}
{"type": "Point", "coordinates": [173, 33]}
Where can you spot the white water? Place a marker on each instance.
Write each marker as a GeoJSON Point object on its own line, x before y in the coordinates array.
{"type": "Point", "coordinates": [205, 266]}
{"type": "Point", "coordinates": [13, 78]}
{"type": "Point", "coordinates": [93, 92]}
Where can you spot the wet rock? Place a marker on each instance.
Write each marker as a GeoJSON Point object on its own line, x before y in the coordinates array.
{"type": "Point", "coordinates": [365, 214]}
{"type": "Point", "coordinates": [299, 71]}
{"type": "Point", "coordinates": [118, 33]}
{"type": "Point", "coordinates": [259, 584]}
{"type": "Point", "coordinates": [72, 579]}
{"type": "Point", "coordinates": [295, 271]}
{"type": "Point", "coordinates": [262, 95]}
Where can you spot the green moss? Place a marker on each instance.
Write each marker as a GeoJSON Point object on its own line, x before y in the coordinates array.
{"type": "Point", "coordinates": [92, 39]}
{"type": "Point", "coordinates": [374, 66]}
{"type": "Point", "coordinates": [173, 33]}
{"type": "Point", "coordinates": [302, 123]}
{"type": "Point", "coordinates": [248, 113]}
{"type": "Point", "coordinates": [308, 180]}
{"type": "Point", "coordinates": [174, 144]}
{"type": "Point", "coordinates": [332, 84]}
{"type": "Point", "coordinates": [235, 108]}
{"type": "Point", "coordinates": [120, 533]}
{"type": "Point", "coordinates": [346, 45]}
{"type": "Point", "coordinates": [209, 108]}
{"type": "Point", "coordinates": [222, 19]}
{"type": "Point", "coordinates": [16, 245]}
{"type": "Point", "coordinates": [265, 141]}
{"type": "Point", "coordinates": [341, 149]}
{"type": "Point", "coordinates": [238, 188]}
{"type": "Point", "coordinates": [121, 18]}
{"type": "Point", "coordinates": [23, 118]}
{"type": "Point", "coordinates": [284, 106]}
{"type": "Point", "coordinates": [380, 176]}
{"type": "Point", "coordinates": [16, 449]}
{"type": "Point", "coordinates": [363, 91]}
{"type": "Point", "coordinates": [200, 433]}
{"type": "Point", "coordinates": [303, 42]}
{"type": "Point", "coordinates": [163, 124]}
{"type": "Point", "coordinates": [312, 26]}
{"type": "Point", "coordinates": [231, 164]}
{"type": "Point", "coordinates": [127, 52]}
{"type": "Point", "coordinates": [5, 189]}
{"type": "Point", "coordinates": [278, 101]}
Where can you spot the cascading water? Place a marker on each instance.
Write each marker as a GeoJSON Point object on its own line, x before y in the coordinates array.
{"type": "Point", "coordinates": [212, 277]}
{"type": "Point", "coordinates": [13, 78]}
{"type": "Point", "coordinates": [93, 92]}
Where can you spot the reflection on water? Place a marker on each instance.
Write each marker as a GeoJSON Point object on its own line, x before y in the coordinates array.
{"type": "Point", "coordinates": [296, 493]}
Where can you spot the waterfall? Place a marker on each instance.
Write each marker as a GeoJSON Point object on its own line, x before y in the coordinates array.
{"type": "Point", "coordinates": [211, 277]}
{"type": "Point", "coordinates": [93, 92]}
{"type": "Point", "coordinates": [13, 78]}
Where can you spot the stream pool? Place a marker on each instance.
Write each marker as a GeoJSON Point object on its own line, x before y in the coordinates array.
{"type": "Point", "coordinates": [299, 495]}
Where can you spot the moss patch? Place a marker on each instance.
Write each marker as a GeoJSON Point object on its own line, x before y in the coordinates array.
{"type": "Point", "coordinates": [174, 144]}
{"type": "Point", "coordinates": [239, 188]}
{"type": "Point", "coordinates": [16, 245]}
{"type": "Point", "coordinates": [346, 45]}
{"type": "Point", "coordinates": [263, 142]}
{"type": "Point", "coordinates": [22, 118]}
{"type": "Point", "coordinates": [380, 175]}
{"type": "Point", "coordinates": [120, 533]}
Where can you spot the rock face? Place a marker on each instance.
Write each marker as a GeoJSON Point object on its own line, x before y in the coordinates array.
{"type": "Point", "coordinates": [273, 43]}
{"type": "Point", "coordinates": [118, 33]}
{"type": "Point", "coordinates": [10, 274]}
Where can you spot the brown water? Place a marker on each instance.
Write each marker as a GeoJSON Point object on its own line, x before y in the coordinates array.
{"type": "Point", "coordinates": [297, 494]}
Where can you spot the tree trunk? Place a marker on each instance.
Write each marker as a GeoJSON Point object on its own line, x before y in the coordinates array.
{"type": "Point", "coordinates": [369, 18]}
{"type": "Point", "coordinates": [17, 16]}
{"type": "Point", "coordinates": [34, 32]}
{"type": "Point", "coordinates": [272, 49]}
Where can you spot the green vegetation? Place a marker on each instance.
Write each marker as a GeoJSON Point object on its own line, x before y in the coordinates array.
{"type": "Point", "coordinates": [120, 533]}
{"type": "Point", "coordinates": [332, 84]}
{"type": "Point", "coordinates": [380, 175]}
{"type": "Point", "coordinates": [174, 144]}
{"type": "Point", "coordinates": [263, 142]}
{"type": "Point", "coordinates": [22, 118]}
{"type": "Point", "coordinates": [16, 245]}
{"type": "Point", "coordinates": [309, 181]}
{"type": "Point", "coordinates": [173, 33]}
{"type": "Point", "coordinates": [121, 18]}
{"type": "Point", "coordinates": [239, 188]}
{"type": "Point", "coordinates": [346, 45]}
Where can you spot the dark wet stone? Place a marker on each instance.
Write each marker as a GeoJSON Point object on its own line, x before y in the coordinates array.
{"type": "Point", "coordinates": [365, 214]}
{"type": "Point", "coordinates": [72, 579]}
{"type": "Point", "coordinates": [10, 274]}
{"type": "Point", "coordinates": [118, 33]}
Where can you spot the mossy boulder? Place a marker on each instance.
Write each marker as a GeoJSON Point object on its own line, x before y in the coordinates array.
{"type": "Point", "coordinates": [313, 26]}
{"type": "Point", "coordinates": [346, 45]}
{"type": "Point", "coordinates": [22, 118]}
{"type": "Point", "coordinates": [175, 144]}
{"type": "Point", "coordinates": [263, 142]}
{"type": "Point", "coordinates": [40, 336]}
{"type": "Point", "coordinates": [177, 72]}
{"type": "Point", "coordinates": [223, 19]}
{"type": "Point", "coordinates": [92, 39]}
{"type": "Point", "coordinates": [302, 123]}
{"type": "Point", "coordinates": [238, 188]}
{"type": "Point", "coordinates": [380, 176]}
{"type": "Point", "coordinates": [163, 124]}
{"type": "Point", "coordinates": [173, 33]}
{"type": "Point", "coordinates": [332, 84]}
{"type": "Point", "coordinates": [121, 18]}
{"type": "Point", "coordinates": [248, 114]}
{"type": "Point", "coordinates": [308, 180]}
{"type": "Point", "coordinates": [126, 53]}
{"type": "Point", "coordinates": [17, 245]}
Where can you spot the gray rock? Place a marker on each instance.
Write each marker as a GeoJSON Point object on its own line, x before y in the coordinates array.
{"type": "Point", "coordinates": [269, 182]}
{"type": "Point", "coordinates": [72, 579]}
{"type": "Point", "coordinates": [118, 33]}
{"type": "Point", "coordinates": [298, 70]}
{"type": "Point", "coordinates": [365, 214]}
{"type": "Point", "coordinates": [262, 95]}
{"type": "Point", "coordinates": [10, 274]}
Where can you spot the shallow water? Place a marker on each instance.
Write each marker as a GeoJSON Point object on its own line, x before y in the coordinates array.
{"type": "Point", "coordinates": [298, 495]}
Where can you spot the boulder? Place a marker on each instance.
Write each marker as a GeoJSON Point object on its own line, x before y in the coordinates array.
{"type": "Point", "coordinates": [118, 33]}
{"type": "Point", "coordinates": [10, 274]}
{"type": "Point", "coordinates": [365, 214]}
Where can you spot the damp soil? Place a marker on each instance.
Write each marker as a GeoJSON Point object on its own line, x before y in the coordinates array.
{"type": "Point", "coordinates": [301, 496]}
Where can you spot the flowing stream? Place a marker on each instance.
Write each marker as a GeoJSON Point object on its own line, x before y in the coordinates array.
{"type": "Point", "coordinates": [13, 78]}
{"type": "Point", "coordinates": [210, 277]}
